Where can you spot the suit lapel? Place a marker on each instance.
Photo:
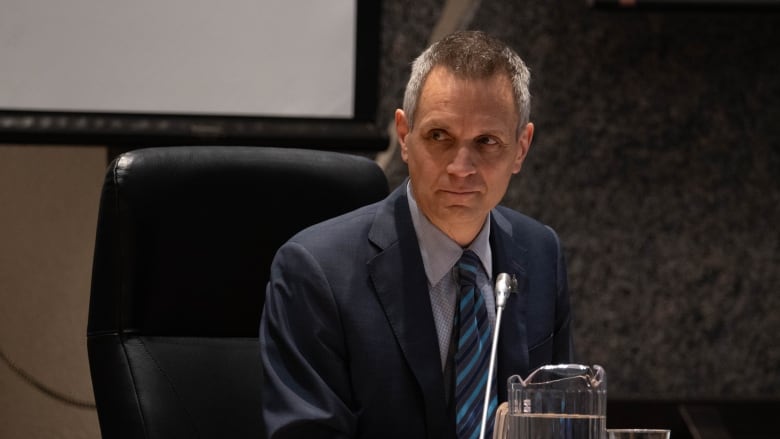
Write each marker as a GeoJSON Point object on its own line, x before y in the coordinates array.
{"type": "Point", "coordinates": [401, 286]}
{"type": "Point", "coordinates": [509, 257]}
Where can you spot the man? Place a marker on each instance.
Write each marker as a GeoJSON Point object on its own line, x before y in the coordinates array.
{"type": "Point", "coordinates": [364, 327]}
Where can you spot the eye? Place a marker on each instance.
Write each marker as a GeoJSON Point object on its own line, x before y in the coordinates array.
{"type": "Point", "coordinates": [438, 135]}
{"type": "Point", "coordinates": [487, 140]}
{"type": "Point", "coordinates": [488, 143]}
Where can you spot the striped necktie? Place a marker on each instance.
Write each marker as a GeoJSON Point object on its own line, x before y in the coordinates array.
{"type": "Point", "coordinates": [472, 356]}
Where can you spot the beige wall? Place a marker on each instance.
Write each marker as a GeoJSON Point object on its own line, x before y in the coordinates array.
{"type": "Point", "coordinates": [48, 210]}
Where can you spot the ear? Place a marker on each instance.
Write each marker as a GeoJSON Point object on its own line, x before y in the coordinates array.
{"type": "Point", "coordinates": [401, 131]}
{"type": "Point", "coordinates": [523, 145]}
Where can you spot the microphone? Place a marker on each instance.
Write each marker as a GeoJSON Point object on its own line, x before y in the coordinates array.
{"type": "Point", "coordinates": [505, 285]}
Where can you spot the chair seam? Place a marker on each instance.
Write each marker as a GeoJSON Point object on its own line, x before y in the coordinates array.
{"type": "Point", "coordinates": [173, 388]}
{"type": "Point", "coordinates": [122, 339]}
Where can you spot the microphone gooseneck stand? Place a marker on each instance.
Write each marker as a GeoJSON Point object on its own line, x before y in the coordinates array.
{"type": "Point", "coordinates": [504, 286]}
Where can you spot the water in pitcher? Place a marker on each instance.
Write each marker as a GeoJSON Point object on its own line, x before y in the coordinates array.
{"type": "Point", "coordinates": [556, 426]}
{"type": "Point", "coordinates": [558, 401]}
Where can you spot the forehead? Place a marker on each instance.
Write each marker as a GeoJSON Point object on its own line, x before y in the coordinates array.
{"type": "Point", "coordinates": [447, 93]}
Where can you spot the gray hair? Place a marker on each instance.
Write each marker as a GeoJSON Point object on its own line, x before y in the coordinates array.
{"type": "Point", "coordinates": [470, 55]}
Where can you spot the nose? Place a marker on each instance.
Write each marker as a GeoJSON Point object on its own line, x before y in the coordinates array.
{"type": "Point", "coordinates": [463, 162]}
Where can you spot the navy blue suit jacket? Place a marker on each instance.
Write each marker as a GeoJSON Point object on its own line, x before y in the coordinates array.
{"type": "Point", "coordinates": [348, 341]}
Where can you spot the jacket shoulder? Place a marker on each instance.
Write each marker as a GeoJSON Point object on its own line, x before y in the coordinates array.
{"type": "Point", "coordinates": [522, 226]}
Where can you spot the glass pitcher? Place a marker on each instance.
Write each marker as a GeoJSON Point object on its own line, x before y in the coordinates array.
{"type": "Point", "coordinates": [563, 401]}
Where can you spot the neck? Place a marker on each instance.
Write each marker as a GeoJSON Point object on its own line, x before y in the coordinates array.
{"type": "Point", "coordinates": [462, 234]}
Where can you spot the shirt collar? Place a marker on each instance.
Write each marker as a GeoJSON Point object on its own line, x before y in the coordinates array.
{"type": "Point", "coordinates": [439, 252]}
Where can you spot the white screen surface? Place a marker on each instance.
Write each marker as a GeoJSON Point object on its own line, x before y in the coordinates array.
{"type": "Point", "coordinates": [278, 58]}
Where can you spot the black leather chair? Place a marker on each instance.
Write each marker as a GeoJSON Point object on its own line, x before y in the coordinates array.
{"type": "Point", "coordinates": [185, 238]}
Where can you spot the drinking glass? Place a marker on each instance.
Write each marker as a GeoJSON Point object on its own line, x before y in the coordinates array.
{"type": "Point", "coordinates": [637, 433]}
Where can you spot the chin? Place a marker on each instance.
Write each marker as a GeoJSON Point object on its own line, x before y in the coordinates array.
{"type": "Point", "coordinates": [464, 213]}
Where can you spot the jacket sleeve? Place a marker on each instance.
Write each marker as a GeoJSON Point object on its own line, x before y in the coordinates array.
{"type": "Point", "coordinates": [306, 386]}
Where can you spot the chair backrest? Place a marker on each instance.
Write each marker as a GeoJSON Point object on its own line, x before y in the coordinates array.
{"type": "Point", "coordinates": [185, 238]}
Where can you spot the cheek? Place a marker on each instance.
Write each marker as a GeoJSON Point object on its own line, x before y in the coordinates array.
{"type": "Point", "coordinates": [418, 157]}
{"type": "Point", "coordinates": [517, 163]}
{"type": "Point", "coordinates": [499, 177]}
{"type": "Point", "coordinates": [428, 162]}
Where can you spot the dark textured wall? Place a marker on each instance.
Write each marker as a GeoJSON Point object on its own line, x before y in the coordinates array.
{"type": "Point", "coordinates": [656, 158]}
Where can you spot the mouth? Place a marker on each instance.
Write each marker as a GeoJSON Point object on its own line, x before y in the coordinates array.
{"type": "Point", "coordinates": [460, 191]}
{"type": "Point", "coordinates": [459, 196]}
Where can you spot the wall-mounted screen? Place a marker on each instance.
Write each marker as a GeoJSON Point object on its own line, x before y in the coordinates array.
{"type": "Point", "coordinates": [187, 68]}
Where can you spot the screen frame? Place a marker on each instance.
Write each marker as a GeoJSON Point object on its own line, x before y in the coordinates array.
{"type": "Point", "coordinates": [687, 5]}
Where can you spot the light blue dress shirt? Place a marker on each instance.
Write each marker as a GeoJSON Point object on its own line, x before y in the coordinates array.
{"type": "Point", "coordinates": [439, 255]}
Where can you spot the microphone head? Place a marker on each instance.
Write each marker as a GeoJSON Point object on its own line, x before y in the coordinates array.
{"type": "Point", "coordinates": [504, 286]}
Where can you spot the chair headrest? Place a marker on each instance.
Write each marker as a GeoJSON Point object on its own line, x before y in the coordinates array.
{"type": "Point", "coordinates": [186, 234]}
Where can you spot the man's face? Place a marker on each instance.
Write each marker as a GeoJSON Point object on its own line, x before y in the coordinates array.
{"type": "Point", "coordinates": [463, 149]}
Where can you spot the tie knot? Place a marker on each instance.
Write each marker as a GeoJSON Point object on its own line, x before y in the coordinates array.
{"type": "Point", "coordinates": [468, 264]}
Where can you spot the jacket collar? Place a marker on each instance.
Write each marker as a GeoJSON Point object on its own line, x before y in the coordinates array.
{"type": "Point", "coordinates": [401, 286]}
{"type": "Point", "coordinates": [509, 256]}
